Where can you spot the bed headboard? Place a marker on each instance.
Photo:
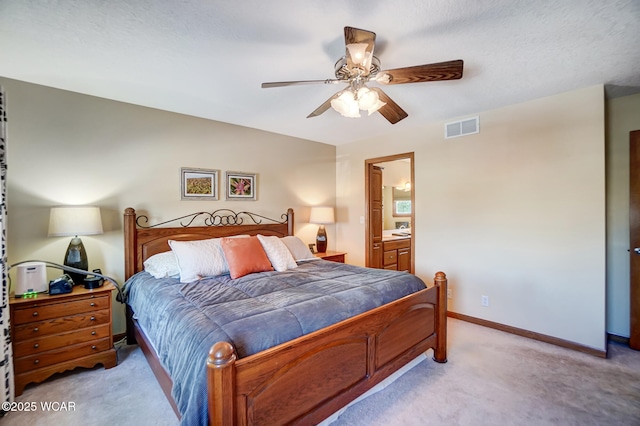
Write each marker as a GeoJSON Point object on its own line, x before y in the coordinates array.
{"type": "Point", "coordinates": [142, 240]}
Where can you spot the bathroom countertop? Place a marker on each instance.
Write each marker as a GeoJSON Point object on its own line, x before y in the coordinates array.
{"type": "Point", "coordinates": [391, 237]}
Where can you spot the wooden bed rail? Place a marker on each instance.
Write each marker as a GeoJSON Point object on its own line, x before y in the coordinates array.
{"type": "Point", "coordinates": [234, 385]}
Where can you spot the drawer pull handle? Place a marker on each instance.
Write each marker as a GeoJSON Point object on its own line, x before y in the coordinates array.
{"type": "Point", "coordinates": [92, 304]}
{"type": "Point", "coordinates": [93, 347]}
{"type": "Point", "coordinates": [37, 345]}
{"type": "Point", "coordinates": [93, 333]}
{"type": "Point", "coordinates": [35, 330]}
{"type": "Point", "coordinates": [35, 314]}
{"type": "Point", "coordinates": [93, 318]}
{"type": "Point", "coordinates": [37, 361]}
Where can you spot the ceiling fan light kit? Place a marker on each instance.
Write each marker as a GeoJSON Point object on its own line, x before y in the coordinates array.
{"type": "Point", "coordinates": [349, 102]}
{"type": "Point", "coordinates": [360, 55]}
{"type": "Point", "coordinates": [359, 66]}
{"type": "Point", "coordinates": [346, 104]}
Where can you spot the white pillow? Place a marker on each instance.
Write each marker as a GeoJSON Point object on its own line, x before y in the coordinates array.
{"type": "Point", "coordinates": [199, 258]}
{"type": "Point", "coordinates": [162, 265]}
{"type": "Point", "coordinates": [278, 254]}
{"type": "Point", "coordinates": [298, 249]}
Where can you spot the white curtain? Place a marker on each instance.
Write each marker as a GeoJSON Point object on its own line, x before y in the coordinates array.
{"type": "Point", "coordinates": [6, 364]}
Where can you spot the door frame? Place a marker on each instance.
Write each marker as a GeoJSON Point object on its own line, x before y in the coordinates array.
{"type": "Point", "coordinates": [367, 231]}
{"type": "Point", "coordinates": [634, 240]}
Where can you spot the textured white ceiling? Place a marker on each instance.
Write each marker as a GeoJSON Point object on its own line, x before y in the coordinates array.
{"type": "Point", "coordinates": [207, 58]}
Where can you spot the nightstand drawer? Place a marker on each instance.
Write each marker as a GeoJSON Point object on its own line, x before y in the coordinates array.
{"type": "Point", "coordinates": [46, 343]}
{"type": "Point", "coordinates": [59, 355]}
{"type": "Point", "coordinates": [38, 311]}
{"type": "Point", "coordinates": [390, 257]}
{"type": "Point", "coordinates": [60, 325]}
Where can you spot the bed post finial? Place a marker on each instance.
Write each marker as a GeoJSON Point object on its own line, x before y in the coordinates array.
{"type": "Point", "coordinates": [221, 354]}
{"type": "Point", "coordinates": [440, 351]}
{"type": "Point", "coordinates": [221, 373]}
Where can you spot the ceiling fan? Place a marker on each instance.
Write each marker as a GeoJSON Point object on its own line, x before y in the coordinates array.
{"type": "Point", "coordinates": [359, 66]}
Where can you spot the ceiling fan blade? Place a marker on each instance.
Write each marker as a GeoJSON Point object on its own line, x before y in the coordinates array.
{"type": "Point", "coordinates": [450, 70]}
{"type": "Point", "coordinates": [300, 83]}
{"type": "Point", "coordinates": [359, 49]}
{"type": "Point", "coordinates": [325, 106]}
{"type": "Point", "coordinates": [391, 111]}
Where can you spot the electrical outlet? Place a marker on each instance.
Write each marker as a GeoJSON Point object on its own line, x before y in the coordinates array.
{"type": "Point", "coordinates": [449, 293]}
{"type": "Point", "coordinates": [485, 300]}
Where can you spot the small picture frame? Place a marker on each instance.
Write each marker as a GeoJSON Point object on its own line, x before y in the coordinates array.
{"type": "Point", "coordinates": [241, 186]}
{"type": "Point", "coordinates": [198, 184]}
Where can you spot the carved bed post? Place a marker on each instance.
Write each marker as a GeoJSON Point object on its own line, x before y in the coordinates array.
{"type": "Point", "coordinates": [440, 352]}
{"type": "Point", "coordinates": [290, 221]}
{"type": "Point", "coordinates": [220, 384]}
{"type": "Point", "coordinates": [129, 264]}
{"type": "Point", "coordinates": [129, 242]}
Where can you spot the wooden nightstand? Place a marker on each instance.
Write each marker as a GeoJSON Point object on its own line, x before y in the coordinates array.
{"type": "Point", "coordinates": [51, 334]}
{"type": "Point", "coordinates": [334, 256]}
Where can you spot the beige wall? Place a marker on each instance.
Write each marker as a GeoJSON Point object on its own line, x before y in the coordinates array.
{"type": "Point", "coordinates": [516, 212]}
{"type": "Point", "coordinates": [67, 148]}
{"type": "Point", "coordinates": [623, 116]}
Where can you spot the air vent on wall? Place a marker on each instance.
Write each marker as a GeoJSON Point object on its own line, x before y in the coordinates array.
{"type": "Point", "coordinates": [464, 127]}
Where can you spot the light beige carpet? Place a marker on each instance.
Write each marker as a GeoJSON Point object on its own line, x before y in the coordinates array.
{"type": "Point", "coordinates": [492, 378]}
{"type": "Point", "coordinates": [495, 378]}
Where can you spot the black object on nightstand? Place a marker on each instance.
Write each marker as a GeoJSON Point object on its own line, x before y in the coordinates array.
{"type": "Point", "coordinates": [61, 285]}
{"type": "Point", "coordinates": [94, 282]}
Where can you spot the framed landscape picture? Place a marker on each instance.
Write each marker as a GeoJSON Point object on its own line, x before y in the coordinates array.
{"type": "Point", "coordinates": [198, 184]}
{"type": "Point", "coordinates": [241, 186]}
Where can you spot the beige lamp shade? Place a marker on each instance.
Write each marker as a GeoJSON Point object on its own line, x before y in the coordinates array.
{"type": "Point", "coordinates": [321, 215]}
{"type": "Point", "coordinates": [75, 220]}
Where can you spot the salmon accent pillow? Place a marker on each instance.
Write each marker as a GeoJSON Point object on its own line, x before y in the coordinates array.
{"type": "Point", "coordinates": [245, 256]}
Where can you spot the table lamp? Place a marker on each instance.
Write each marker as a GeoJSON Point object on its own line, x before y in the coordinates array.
{"type": "Point", "coordinates": [321, 216]}
{"type": "Point", "coordinates": [74, 221]}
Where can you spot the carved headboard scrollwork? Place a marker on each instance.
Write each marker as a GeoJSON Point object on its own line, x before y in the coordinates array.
{"type": "Point", "coordinates": [220, 217]}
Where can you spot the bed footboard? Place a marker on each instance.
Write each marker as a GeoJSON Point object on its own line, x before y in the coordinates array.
{"type": "Point", "coordinates": [319, 373]}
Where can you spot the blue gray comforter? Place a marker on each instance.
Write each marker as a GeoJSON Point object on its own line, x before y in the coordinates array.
{"type": "Point", "coordinates": [254, 313]}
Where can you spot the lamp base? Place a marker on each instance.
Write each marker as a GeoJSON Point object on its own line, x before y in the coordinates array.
{"type": "Point", "coordinates": [76, 257]}
{"type": "Point", "coordinates": [321, 240]}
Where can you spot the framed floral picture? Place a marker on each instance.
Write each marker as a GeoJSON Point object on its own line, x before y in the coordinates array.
{"type": "Point", "coordinates": [241, 186]}
{"type": "Point", "coordinates": [198, 184]}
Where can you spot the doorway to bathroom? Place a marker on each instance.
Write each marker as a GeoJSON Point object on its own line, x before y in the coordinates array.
{"type": "Point", "coordinates": [390, 212]}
